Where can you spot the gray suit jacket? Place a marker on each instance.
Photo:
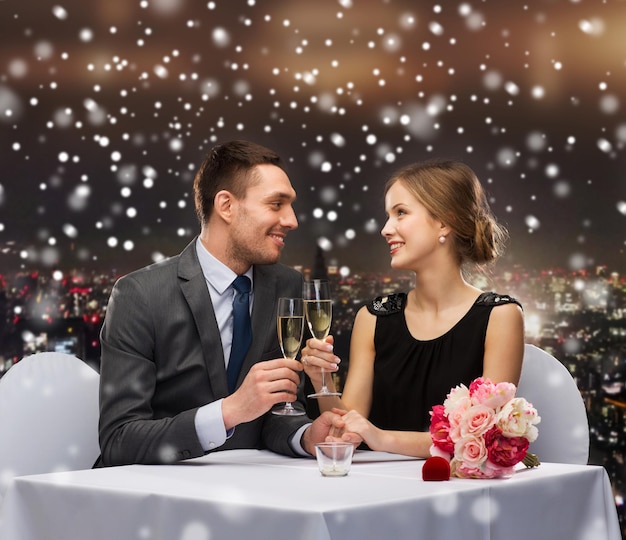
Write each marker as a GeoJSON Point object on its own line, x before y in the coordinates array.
{"type": "Point", "coordinates": [162, 359]}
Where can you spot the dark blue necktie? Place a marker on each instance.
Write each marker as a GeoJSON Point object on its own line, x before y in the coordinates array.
{"type": "Point", "coordinates": [242, 329]}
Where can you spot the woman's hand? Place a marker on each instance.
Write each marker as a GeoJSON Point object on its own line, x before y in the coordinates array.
{"type": "Point", "coordinates": [317, 355]}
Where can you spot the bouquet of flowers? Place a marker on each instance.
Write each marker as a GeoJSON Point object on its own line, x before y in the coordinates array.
{"type": "Point", "coordinates": [484, 430]}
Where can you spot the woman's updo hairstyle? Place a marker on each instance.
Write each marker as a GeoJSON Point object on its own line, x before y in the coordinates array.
{"type": "Point", "coordinates": [452, 194]}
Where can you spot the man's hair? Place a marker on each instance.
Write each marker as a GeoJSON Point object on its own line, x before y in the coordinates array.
{"type": "Point", "coordinates": [229, 166]}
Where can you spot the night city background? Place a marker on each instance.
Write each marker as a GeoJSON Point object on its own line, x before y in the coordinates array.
{"type": "Point", "coordinates": [107, 107]}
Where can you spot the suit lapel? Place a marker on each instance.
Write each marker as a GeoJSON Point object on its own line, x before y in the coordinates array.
{"type": "Point", "coordinates": [196, 292]}
{"type": "Point", "coordinates": [194, 288]}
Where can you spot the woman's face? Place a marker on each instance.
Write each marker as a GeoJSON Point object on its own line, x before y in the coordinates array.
{"type": "Point", "coordinates": [411, 232]}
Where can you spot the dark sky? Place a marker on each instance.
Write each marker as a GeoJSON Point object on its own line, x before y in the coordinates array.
{"type": "Point", "coordinates": [107, 108]}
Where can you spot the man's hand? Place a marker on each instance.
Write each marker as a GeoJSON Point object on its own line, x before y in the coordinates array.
{"type": "Point", "coordinates": [266, 384]}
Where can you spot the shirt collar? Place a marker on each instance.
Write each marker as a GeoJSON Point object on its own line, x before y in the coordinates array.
{"type": "Point", "coordinates": [219, 276]}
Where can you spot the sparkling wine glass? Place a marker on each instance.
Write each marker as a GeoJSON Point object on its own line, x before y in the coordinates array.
{"type": "Point", "coordinates": [318, 307]}
{"type": "Point", "coordinates": [290, 326]}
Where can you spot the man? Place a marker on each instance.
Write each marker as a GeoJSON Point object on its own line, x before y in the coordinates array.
{"type": "Point", "coordinates": [168, 331]}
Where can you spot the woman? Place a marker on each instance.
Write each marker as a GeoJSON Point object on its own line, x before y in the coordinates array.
{"type": "Point", "coordinates": [408, 350]}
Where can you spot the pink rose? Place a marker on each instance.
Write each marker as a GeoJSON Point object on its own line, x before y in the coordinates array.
{"type": "Point", "coordinates": [505, 451]}
{"type": "Point", "coordinates": [471, 451]}
{"type": "Point", "coordinates": [456, 414]}
{"type": "Point", "coordinates": [476, 421]}
{"type": "Point", "coordinates": [460, 470]}
{"type": "Point", "coordinates": [440, 429]}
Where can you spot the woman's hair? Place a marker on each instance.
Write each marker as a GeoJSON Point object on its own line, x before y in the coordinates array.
{"type": "Point", "coordinates": [228, 167]}
{"type": "Point", "coordinates": [452, 194]}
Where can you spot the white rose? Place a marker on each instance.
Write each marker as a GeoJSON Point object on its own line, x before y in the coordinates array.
{"type": "Point", "coordinates": [518, 418]}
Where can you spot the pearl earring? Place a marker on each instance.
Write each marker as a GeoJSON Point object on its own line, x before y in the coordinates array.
{"type": "Point", "coordinates": [442, 239]}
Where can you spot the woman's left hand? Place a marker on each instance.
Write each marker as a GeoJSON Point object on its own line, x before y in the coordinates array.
{"type": "Point", "coordinates": [317, 355]}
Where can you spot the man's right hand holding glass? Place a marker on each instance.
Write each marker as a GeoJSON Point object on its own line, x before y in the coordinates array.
{"type": "Point", "coordinates": [266, 385]}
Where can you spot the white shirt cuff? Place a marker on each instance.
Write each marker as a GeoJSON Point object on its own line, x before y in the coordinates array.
{"type": "Point", "coordinates": [210, 426]}
{"type": "Point", "coordinates": [212, 433]}
{"type": "Point", "coordinates": [296, 442]}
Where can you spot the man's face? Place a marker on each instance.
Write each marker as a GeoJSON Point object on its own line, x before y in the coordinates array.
{"type": "Point", "coordinates": [262, 219]}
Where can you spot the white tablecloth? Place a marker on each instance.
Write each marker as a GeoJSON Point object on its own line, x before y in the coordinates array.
{"type": "Point", "coordinates": [257, 494]}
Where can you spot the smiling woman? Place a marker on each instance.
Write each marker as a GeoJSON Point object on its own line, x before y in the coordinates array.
{"type": "Point", "coordinates": [408, 349]}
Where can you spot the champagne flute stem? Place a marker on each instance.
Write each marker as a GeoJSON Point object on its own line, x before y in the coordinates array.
{"type": "Point", "coordinates": [324, 387]}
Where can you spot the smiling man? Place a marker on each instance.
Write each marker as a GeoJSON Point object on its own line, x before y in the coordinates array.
{"type": "Point", "coordinates": [167, 388]}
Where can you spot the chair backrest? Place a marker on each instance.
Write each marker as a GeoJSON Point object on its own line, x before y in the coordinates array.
{"type": "Point", "coordinates": [48, 416]}
{"type": "Point", "coordinates": [564, 428]}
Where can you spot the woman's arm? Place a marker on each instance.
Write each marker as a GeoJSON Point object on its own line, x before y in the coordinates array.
{"type": "Point", "coordinates": [357, 392]}
{"type": "Point", "coordinates": [357, 427]}
{"type": "Point", "coordinates": [504, 344]}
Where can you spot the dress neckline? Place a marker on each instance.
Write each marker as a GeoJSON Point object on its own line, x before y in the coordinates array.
{"type": "Point", "coordinates": [457, 323]}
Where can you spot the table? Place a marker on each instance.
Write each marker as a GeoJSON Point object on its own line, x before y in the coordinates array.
{"type": "Point", "coordinates": [261, 495]}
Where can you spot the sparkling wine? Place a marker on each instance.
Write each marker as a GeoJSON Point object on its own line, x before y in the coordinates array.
{"type": "Point", "coordinates": [319, 315]}
{"type": "Point", "coordinates": [290, 335]}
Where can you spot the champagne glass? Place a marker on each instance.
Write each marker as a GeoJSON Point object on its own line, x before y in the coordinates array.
{"type": "Point", "coordinates": [290, 326]}
{"type": "Point", "coordinates": [319, 313]}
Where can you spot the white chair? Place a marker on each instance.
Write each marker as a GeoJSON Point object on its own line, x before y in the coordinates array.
{"type": "Point", "coordinates": [48, 416]}
{"type": "Point", "coordinates": [564, 428]}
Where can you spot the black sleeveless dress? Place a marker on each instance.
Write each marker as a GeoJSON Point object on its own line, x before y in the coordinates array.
{"type": "Point", "coordinates": [410, 376]}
